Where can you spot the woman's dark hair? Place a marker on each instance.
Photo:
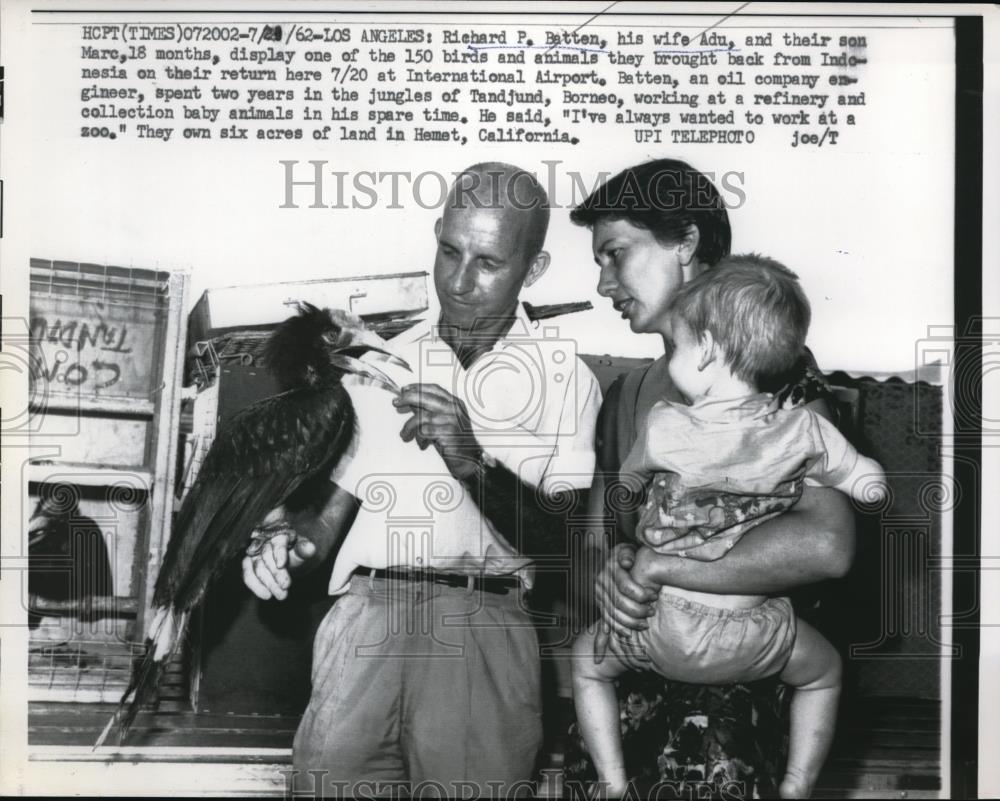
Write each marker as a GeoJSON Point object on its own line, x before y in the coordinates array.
{"type": "Point", "coordinates": [666, 197]}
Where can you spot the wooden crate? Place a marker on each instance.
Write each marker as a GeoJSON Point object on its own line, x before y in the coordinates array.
{"type": "Point", "coordinates": [105, 390]}
{"type": "Point", "coordinates": [262, 306]}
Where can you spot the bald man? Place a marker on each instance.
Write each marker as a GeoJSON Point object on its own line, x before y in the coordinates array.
{"type": "Point", "coordinates": [427, 671]}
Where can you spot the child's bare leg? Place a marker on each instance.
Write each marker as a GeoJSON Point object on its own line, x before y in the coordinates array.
{"type": "Point", "coordinates": [814, 671]}
{"type": "Point", "coordinates": [597, 711]}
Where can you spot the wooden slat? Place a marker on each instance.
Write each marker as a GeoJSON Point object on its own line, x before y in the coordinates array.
{"type": "Point", "coordinates": [138, 754]}
{"type": "Point", "coordinates": [89, 475]}
{"type": "Point", "coordinates": [226, 775]}
{"type": "Point", "coordinates": [885, 746]}
{"type": "Point", "coordinates": [56, 402]}
{"type": "Point", "coordinates": [117, 284]}
{"type": "Point", "coordinates": [877, 793]}
{"type": "Point", "coordinates": [79, 725]}
{"type": "Point", "coordinates": [173, 738]}
{"type": "Point", "coordinates": [166, 423]}
{"type": "Point", "coordinates": [873, 759]}
{"type": "Point", "coordinates": [91, 714]}
{"type": "Point", "coordinates": [113, 605]}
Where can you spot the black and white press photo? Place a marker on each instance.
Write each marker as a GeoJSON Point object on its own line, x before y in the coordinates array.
{"type": "Point", "coordinates": [498, 401]}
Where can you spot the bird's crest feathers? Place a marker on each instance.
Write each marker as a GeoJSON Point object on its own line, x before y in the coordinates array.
{"type": "Point", "coordinates": [317, 344]}
{"type": "Point", "coordinates": [296, 353]}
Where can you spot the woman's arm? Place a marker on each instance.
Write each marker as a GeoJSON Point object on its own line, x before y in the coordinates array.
{"type": "Point", "coordinates": [812, 542]}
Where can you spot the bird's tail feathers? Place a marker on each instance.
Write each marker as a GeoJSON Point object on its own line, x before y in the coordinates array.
{"type": "Point", "coordinates": [166, 632]}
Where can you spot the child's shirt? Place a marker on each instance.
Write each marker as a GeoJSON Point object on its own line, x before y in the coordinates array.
{"type": "Point", "coordinates": [724, 466]}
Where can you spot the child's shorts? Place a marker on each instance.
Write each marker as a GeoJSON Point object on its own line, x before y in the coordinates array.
{"type": "Point", "coordinates": [690, 642]}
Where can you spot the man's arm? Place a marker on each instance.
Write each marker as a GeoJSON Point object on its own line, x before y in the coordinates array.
{"type": "Point", "coordinates": [534, 522]}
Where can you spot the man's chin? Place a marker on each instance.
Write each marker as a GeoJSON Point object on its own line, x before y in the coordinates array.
{"type": "Point", "coordinates": [463, 319]}
{"type": "Point", "coordinates": [466, 316]}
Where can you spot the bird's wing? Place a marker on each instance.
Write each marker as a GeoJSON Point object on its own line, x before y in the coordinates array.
{"type": "Point", "coordinates": [255, 462]}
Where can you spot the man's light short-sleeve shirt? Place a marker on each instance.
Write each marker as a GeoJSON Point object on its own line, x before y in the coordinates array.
{"type": "Point", "coordinates": [533, 405]}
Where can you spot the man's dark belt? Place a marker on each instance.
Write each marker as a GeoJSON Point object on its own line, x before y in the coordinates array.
{"type": "Point", "coordinates": [498, 585]}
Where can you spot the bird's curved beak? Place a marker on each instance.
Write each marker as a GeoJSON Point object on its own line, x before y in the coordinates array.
{"type": "Point", "coordinates": [355, 338]}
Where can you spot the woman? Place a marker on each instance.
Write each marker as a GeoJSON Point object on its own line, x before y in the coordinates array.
{"type": "Point", "coordinates": [655, 226]}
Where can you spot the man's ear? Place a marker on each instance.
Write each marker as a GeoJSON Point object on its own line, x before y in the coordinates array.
{"type": "Point", "coordinates": [688, 246]}
{"type": "Point", "coordinates": [437, 228]}
{"type": "Point", "coordinates": [537, 268]}
{"type": "Point", "coordinates": [706, 343]}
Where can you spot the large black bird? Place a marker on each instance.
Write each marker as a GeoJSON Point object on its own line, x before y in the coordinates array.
{"type": "Point", "coordinates": [68, 560]}
{"type": "Point", "coordinates": [255, 464]}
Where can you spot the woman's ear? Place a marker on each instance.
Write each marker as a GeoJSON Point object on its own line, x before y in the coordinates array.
{"type": "Point", "coordinates": [706, 343]}
{"type": "Point", "coordinates": [688, 246]}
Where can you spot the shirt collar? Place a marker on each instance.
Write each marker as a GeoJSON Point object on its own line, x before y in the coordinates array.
{"type": "Point", "coordinates": [741, 408]}
{"type": "Point", "coordinates": [427, 325]}
{"type": "Point", "coordinates": [523, 327]}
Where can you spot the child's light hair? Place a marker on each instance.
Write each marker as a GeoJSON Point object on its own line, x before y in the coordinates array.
{"type": "Point", "coordinates": [755, 310]}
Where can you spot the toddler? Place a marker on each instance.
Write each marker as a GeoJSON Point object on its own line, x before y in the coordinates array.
{"type": "Point", "coordinates": [713, 470]}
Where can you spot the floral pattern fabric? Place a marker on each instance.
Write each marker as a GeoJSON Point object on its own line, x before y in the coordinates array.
{"type": "Point", "coordinates": [693, 741]}
{"type": "Point", "coordinates": [673, 511]}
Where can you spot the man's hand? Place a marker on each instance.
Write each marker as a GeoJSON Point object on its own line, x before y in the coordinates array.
{"type": "Point", "coordinates": [624, 604]}
{"type": "Point", "coordinates": [270, 557]}
{"type": "Point", "coordinates": [440, 418]}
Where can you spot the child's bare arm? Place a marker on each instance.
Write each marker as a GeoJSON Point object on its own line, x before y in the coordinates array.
{"type": "Point", "coordinates": [865, 483]}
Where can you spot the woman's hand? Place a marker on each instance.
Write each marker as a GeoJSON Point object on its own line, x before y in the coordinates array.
{"type": "Point", "coordinates": [642, 569]}
{"type": "Point", "coordinates": [623, 602]}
